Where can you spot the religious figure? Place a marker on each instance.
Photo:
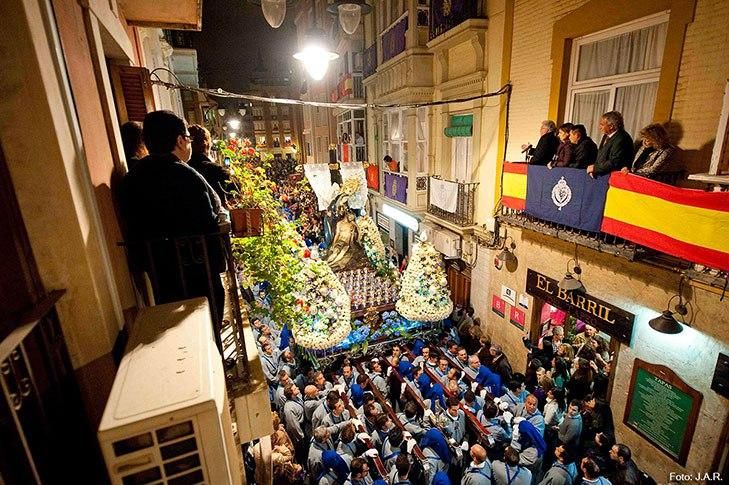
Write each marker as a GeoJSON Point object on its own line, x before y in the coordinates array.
{"type": "Point", "coordinates": [346, 250]}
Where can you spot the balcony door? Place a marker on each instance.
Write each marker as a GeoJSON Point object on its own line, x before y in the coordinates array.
{"type": "Point", "coordinates": [461, 158]}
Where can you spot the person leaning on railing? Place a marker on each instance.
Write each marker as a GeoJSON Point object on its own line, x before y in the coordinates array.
{"type": "Point", "coordinates": [565, 151]}
{"type": "Point", "coordinates": [655, 155]}
{"type": "Point", "coordinates": [162, 198]}
{"type": "Point", "coordinates": [546, 146]}
{"type": "Point", "coordinates": [616, 147]}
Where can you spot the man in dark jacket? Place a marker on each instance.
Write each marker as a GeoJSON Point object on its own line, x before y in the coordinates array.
{"type": "Point", "coordinates": [584, 151]}
{"type": "Point", "coordinates": [616, 147]}
{"type": "Point", "coordinates": [216, 176]}
{"type": "Point", "coordinates": [161, 198]}
{"type": "Point", "coordinates": [626, 472]}
{"type": "Point", "coordinates": [546, 146]}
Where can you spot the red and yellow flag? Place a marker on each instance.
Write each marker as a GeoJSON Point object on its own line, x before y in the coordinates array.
{"type": "Point", "coordinates": [514, 186]}
{"type": "Point", "coordinates": [690, 224]}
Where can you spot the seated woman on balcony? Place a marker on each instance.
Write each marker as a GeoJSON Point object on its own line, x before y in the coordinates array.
{"type": "Point", "coordinates": [656, 154]}
{"type": "Point", "coordinates": [565, 151]}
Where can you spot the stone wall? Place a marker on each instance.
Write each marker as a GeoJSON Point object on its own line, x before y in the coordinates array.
{"type": "Point", "coordinates": [642, 290]}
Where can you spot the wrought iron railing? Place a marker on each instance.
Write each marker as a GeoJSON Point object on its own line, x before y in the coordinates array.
{"type": "Point", "coordinates": [393, 38]}
{"type": "Point", "coordinates": [44, 431]}
{"type": "Point", "coordinates": [465, 205]}
{"type": "Point", "coordinates": [599, 241]}
{"type": "Point", "coordinates": [369, 61]}
{"type": "Point", "coordinates": [357, 86]}
{"type": "Point", "coordinates": [189, 266]}
{"type": "Point", "coordinates": [446, 14]}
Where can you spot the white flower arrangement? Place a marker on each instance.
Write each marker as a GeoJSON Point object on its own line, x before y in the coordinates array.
{"type": "Point", "coordinates": [374, 247]}
{"type": "Point", "coordinates": [325, 302]}
{"type": "Point", "coordinates": [424, 293]}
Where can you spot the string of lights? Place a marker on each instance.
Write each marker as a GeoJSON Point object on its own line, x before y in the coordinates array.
{"type": "Point", "coordinates": [221, 93]}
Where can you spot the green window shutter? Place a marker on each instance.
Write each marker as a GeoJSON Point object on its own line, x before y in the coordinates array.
{"type": "Point", "coordinates": [460, 125]}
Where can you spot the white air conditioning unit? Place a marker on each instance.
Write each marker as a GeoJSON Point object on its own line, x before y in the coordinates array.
{"type": "Point", "coordinates": [445, 241]}
{"type": "Point", "coordinates": [167, 420]}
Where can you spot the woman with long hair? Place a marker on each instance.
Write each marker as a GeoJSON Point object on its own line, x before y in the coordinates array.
{"type": "Point", "coordinates": [655, 155]}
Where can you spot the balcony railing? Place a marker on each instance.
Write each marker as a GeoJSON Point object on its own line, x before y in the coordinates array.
{"type": "Point", "coordinates": [463, 207]}
{"type": "Point", "coordinates": [446, 14]}
{"type": "Point", "coordinates": [357, 86]}
{"type": "Point", "coordinates": [623, 214]}
{"type": "Point", "coordinates": [369, 61]}
{"type": "Point", "coordinates": [393, 38]}
{"type": "Point", "coordinates": [183, 267]}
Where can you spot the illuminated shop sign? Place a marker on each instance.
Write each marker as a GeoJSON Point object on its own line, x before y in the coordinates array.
{"type": "Point", "coordinates": [602, 315]}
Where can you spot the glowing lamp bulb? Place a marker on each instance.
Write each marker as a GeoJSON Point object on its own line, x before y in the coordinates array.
{"type": "Point", "coordinates": [234, 124]}
{"type": "Point", "coordinates": [274, 11]}
{"type": "Point", "coordinates": [316, 60]}
{"type": "Point", "coordinates": [349, 16]}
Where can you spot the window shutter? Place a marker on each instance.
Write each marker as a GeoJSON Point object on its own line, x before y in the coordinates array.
{"type": "Point", "coordinates": [132, 92]}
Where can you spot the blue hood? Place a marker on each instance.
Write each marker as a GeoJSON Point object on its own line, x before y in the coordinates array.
{"type": "Point", "coordinates": [436, 440]}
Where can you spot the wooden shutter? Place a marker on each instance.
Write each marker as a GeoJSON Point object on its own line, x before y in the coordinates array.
{"type": "Point", "coordinates": [132, 92]}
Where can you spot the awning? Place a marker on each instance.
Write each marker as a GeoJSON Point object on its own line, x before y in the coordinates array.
{"type": "Point", "coordinates": [460, 125]}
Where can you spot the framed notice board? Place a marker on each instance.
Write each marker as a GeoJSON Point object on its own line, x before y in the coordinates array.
{"type": "Point", "coordinates": [663, 409]}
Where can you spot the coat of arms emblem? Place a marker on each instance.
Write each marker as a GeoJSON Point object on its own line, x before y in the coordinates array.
{"type": "Point", "coordinates": [561, 193]}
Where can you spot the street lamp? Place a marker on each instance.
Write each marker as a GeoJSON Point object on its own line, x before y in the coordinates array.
{"type": "Point", "coordinates": [349, 12]}
{"type": "Point", "coordinates": [316, 55]}
{"type": "Point", "coordinates": [273, 10]}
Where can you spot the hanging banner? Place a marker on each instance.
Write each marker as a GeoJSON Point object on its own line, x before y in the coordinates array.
{"type": "Point", "coordinates": [517, 318]}
{"type": "Point", "coordinates": [498, 306]}
{"type": "Point", "coordinates": [612, 320]}
{"type": "Point", "coordinates": [396, 187]}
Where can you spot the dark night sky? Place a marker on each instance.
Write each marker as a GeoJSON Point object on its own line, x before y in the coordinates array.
{"type": "Point", "coordinates": [233, 34]}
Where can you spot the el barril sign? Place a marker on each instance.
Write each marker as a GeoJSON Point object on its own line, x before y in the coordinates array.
{"type": "Point", "coordinates": [602, 315]}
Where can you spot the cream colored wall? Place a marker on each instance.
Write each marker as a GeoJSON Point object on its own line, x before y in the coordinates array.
{"type": "Point", "coordinates": [40, 137]}
{"type": "Point", "coordinates": [644, 291]}
{"type": "Point", "coordinates": [158, 53]}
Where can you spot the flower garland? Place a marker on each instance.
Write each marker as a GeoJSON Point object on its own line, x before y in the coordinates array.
{"type": "Point", "coordinates": [424, 293]}
{"type": "Point", "coordinates": [304, 293]}
{"type": "Point", "coordinates": [374, 247]}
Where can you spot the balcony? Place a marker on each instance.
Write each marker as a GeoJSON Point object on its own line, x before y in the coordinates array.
{"type": "Point", "coordinates": [453, 202]}
{"type": "Point", "coordinates": [621, 214]}
{"type": "Point", "coordinates": [393, 38]}
{"type": "Point", "coordinates": [349, 87]}
{"type": "Point", "coordinates": [446, 15]}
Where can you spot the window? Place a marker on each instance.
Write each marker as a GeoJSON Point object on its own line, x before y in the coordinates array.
{"type": "Point", "coordinates": [394, 139]}
{"type": "Point", "coordinates": [421, 140]}
{"type": "Point", "coordinates": [617, 69]}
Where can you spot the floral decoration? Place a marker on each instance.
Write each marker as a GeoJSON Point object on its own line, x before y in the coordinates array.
{"type": "Point", "coordinates": [374, 248]}
{"type": "Point", "coordinates": [424, 293]}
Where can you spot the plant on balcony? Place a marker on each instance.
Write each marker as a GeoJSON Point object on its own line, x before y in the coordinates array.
{"type": "Point", "coordinates": [305, 294]}
{"type": "Point", "coordinates": [424, 294]}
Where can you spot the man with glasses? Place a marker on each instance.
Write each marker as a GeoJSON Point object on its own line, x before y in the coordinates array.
{"type": "Point", "coordinates": [163, 198]}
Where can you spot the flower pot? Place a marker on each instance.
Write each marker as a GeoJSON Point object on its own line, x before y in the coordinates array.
{"type": "Point", "coordinates": [246, 222]}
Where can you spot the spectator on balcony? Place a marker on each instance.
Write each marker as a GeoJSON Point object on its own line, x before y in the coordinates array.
{"type": "Point", "coordinates": [584, 151]}
{"type": "Point", "coordinates": [390, 164]}
{"type": "Point", "coordinates": [163, 197]}
{"type": "Point", "coordinates": [616, 147]}
{"type": "Point", "coordinates": [565, 151]}
{"type": "Point", "coordinates": [546, 146]}
{"type": "Point", "coordinates": [134, 148]}
{"type": "Point", "coordinates": [216, 176]}
{"type": "Point", "coordinates": [655, 155]}
{"type": "Point", "coordinates": [358, 139]}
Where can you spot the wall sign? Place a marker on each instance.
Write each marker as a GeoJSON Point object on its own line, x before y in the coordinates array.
{"type": "Point", "coordinates": [663, 409]}
{"type": "Point", "coordinates": [517, 318]}
{"type": "Point", "coordinates": [523, 301]}
{"type": "Point", "coordinates": [498, 306]}
{"type": "Point", "coordinates": [508, 295]}
{"type": "Point", "coordinates": [612, 320]}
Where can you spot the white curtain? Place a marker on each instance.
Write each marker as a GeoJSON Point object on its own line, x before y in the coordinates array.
{"type": "Point", "coordinates": [461, 158]}
{"type": "Point", "coordinates": [588, 108]}
{"type": "Point", "coordinates": [636, 103]}
{"type": "Point", "coordinates": [634, 51]}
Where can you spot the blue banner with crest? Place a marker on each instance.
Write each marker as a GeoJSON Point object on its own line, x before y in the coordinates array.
{"type": "Point", "coordinates": [566, 196]}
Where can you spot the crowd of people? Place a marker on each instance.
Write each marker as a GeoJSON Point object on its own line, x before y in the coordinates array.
{"type": "Point", "coordinates": [450, 410]}
{"type": "Point", "coordinates": [570, 146]}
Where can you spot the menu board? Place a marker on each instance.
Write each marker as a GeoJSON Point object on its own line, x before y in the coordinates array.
{"type": "Point", "coordinates": [662, 408]}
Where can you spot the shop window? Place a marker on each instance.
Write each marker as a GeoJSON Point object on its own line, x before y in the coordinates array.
{"type": "Point", "coordinates": [617, 69]}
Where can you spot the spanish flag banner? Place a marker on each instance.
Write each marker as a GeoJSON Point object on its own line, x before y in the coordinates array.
{"type": "Point", "coordinates": [689, 224]}
{"type": "Point", "coordinates": [514, 185]}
